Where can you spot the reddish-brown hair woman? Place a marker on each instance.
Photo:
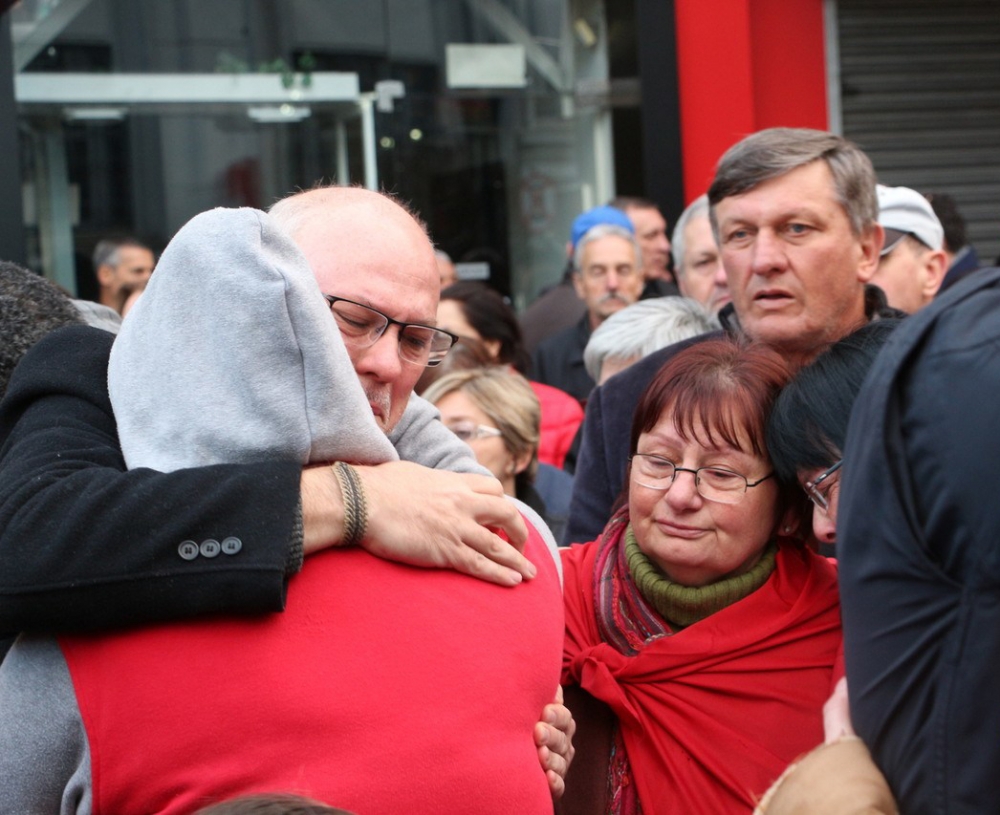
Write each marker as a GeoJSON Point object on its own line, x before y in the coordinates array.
{"type": "Point", "coordinates": [701, 637]}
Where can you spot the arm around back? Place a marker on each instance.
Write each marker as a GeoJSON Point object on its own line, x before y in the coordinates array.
{"type": "Point", "coordinates": [86, 544]}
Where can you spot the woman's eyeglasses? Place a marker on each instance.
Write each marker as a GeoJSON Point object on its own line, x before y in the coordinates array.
{"type": "Point", "coordinates": [467, 431]}
{"type": "Point", "coordinates": [818, 489]}
{"type": "Point", "coordinates": [714, 483]}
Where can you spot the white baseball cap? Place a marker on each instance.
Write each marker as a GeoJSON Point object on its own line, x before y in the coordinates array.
{"type": "Point", "coordinates": [903, 211]}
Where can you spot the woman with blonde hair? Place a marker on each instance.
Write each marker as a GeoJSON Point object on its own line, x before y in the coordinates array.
{"type": "Point", "coordinates": [495, 411]}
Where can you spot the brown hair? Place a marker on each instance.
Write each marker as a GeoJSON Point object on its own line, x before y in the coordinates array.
{"type": "Point", "coordinates": [771, 153]}
{"type": "Point", "coordinates": [726, 385]}
{"type": "Point", "coordinates": [718, 391]}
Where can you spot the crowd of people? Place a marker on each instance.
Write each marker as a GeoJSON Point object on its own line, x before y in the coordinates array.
{"type": "Point", "coordinates": [703, 529]}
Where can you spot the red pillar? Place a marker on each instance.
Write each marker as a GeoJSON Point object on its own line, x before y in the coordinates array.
{"type": "Point", "coordinates": [744, 65]}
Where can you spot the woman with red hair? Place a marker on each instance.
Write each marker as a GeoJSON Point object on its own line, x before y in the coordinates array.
{"type": "Point", "coordinates": [701, 636]}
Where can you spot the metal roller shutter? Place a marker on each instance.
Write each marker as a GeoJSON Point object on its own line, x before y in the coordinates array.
{"type": "Point", "coordinates": [920, 93]}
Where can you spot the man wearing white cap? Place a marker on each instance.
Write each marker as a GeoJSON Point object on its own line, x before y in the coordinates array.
{"type": "Point", "coordinates": [913, 263]}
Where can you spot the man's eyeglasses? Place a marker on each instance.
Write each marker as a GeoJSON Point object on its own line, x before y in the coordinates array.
{"type": "Point", "coordinates": [362, 327]}
{"type": "Point", "coordinates": [817, 492]}
{"type": "Point", "coordinates": [714, 483]}
{"type": "Point", "coordinates": [467, 431]}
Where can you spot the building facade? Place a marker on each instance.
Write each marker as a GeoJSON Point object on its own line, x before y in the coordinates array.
{"type": "Point", "coordinates": [498, 120]}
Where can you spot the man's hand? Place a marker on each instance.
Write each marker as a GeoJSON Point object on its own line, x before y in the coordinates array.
{"type": "Point", "coordinates": [423, 517]}
{"type": "Point", "coordinates": [554, 740]}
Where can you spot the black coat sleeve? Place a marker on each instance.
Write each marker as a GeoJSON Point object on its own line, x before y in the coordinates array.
{"type": "Point", "coordinates": [87, 544]}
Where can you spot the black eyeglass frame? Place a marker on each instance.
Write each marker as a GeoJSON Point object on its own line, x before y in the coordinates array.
{"type": "Point", "coordinates": [812, 487]}
{"type": "Point", "coordinates": [377, 335]}
{"type": "Point", "coordinates": [697, 480]}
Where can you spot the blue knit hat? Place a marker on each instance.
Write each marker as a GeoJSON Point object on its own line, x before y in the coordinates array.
{"type": "Point", "coordinates": [595, 217]}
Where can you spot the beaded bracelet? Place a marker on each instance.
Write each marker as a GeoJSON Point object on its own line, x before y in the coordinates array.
{"type": "Point", "coordinates": [355, 505]}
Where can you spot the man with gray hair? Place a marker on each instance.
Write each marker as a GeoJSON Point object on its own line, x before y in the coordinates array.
{"type": "Point", "coordinates": [122, 266]}
{"type": "Point", "coordinates": [796, 218]}
{"type": "Point", "coordinates": [697, 262]}
{"type": "Point", "coordinates": [607, 276]}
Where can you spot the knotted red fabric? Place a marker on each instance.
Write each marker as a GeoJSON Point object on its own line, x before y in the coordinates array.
{"type": "Point", "coordinates": [710, 715]}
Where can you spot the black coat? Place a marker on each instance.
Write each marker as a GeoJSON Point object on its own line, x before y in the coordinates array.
{"type": "Point", "coordinates": [86, 544]}
{"type": "Point", "coordinates": [558, 361]}
{"type": "Point", "coordinates": [918, 540]}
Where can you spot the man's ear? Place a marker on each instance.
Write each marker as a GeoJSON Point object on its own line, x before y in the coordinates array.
{"type": "Point", "coordinates": [871, 247]}
{"type": "Point", "coordinates": [578, 285]}
{"type": "Point", "coordinates": [934, 267]}
{"type": "Point", "coordinates": [105, 274]}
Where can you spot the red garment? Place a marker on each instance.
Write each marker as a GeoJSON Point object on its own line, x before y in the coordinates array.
{"type": "Point", "coordinates": [382, 689]}
{"type": "Point", "coordinates": [561, 418]}
{"type": "Point", "coordinates": [712, 714]}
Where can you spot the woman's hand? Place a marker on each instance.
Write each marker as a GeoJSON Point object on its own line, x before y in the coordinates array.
{"type": "Point", "coordinates": [554, 740]}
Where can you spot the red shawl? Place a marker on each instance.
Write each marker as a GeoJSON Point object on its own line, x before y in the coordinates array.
{"type": "Point", "coordinates": [712, 714]}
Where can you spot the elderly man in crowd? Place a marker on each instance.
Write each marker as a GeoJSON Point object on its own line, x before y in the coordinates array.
{"type": "Point", "coordinates": [559, 307]}
{"type": "Point", "coordinates": [697, 261]}
{"type": "Point", "coordinates": [607, 276]}
{"type": "Point", "coordinates": [796, 217]}
{"type": "Point", "coordinates": [913, 263]}
{"type": "Point", "coordinates": [296, 387]}
{"type": "Point", "coordinates": [87, 545]}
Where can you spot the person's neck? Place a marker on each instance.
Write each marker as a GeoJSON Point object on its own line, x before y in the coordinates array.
{"type": "Point", "coordinates": [682, 606]}
{"type": "Point", "coordinates": [797, 356]}
{"type": "Point", "coordinates": [508, 482]}
{"type": "Point", "coordinates": [113, 300]}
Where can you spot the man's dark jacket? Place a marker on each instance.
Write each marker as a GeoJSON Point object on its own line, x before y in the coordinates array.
{"type": "Point", "coordinates": [918, 542]}
{"type": "Point", "coordinates": [558, 361]}
{"type": "Point", "coordinates": [61, 469]}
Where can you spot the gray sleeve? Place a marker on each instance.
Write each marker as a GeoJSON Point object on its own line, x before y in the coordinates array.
{"type": "Point", "coordinates": [44, 754]}
{"type": "Point", "coordinates": [544, 531]}
{"type": "Point", "coordinates": [420, 437]}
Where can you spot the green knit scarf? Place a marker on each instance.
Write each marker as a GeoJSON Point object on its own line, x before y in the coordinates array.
{"type": "Point", "coordinates": [683, 605]}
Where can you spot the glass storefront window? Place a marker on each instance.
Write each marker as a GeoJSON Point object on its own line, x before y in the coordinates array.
{"type": "Point", "coordinates": [489, 116]}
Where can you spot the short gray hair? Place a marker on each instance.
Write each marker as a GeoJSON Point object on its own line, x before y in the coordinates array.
{"type": "Point", "coordinates": [106, 252]}
{"type": "Point", "coordinates": [605, 231]}
{"type": "Point", "coordinates": [771, 153]}
{"type": "Point", "coordinates": [644, 327]}
{"type": "Point", "coordinates": [696, 208]}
